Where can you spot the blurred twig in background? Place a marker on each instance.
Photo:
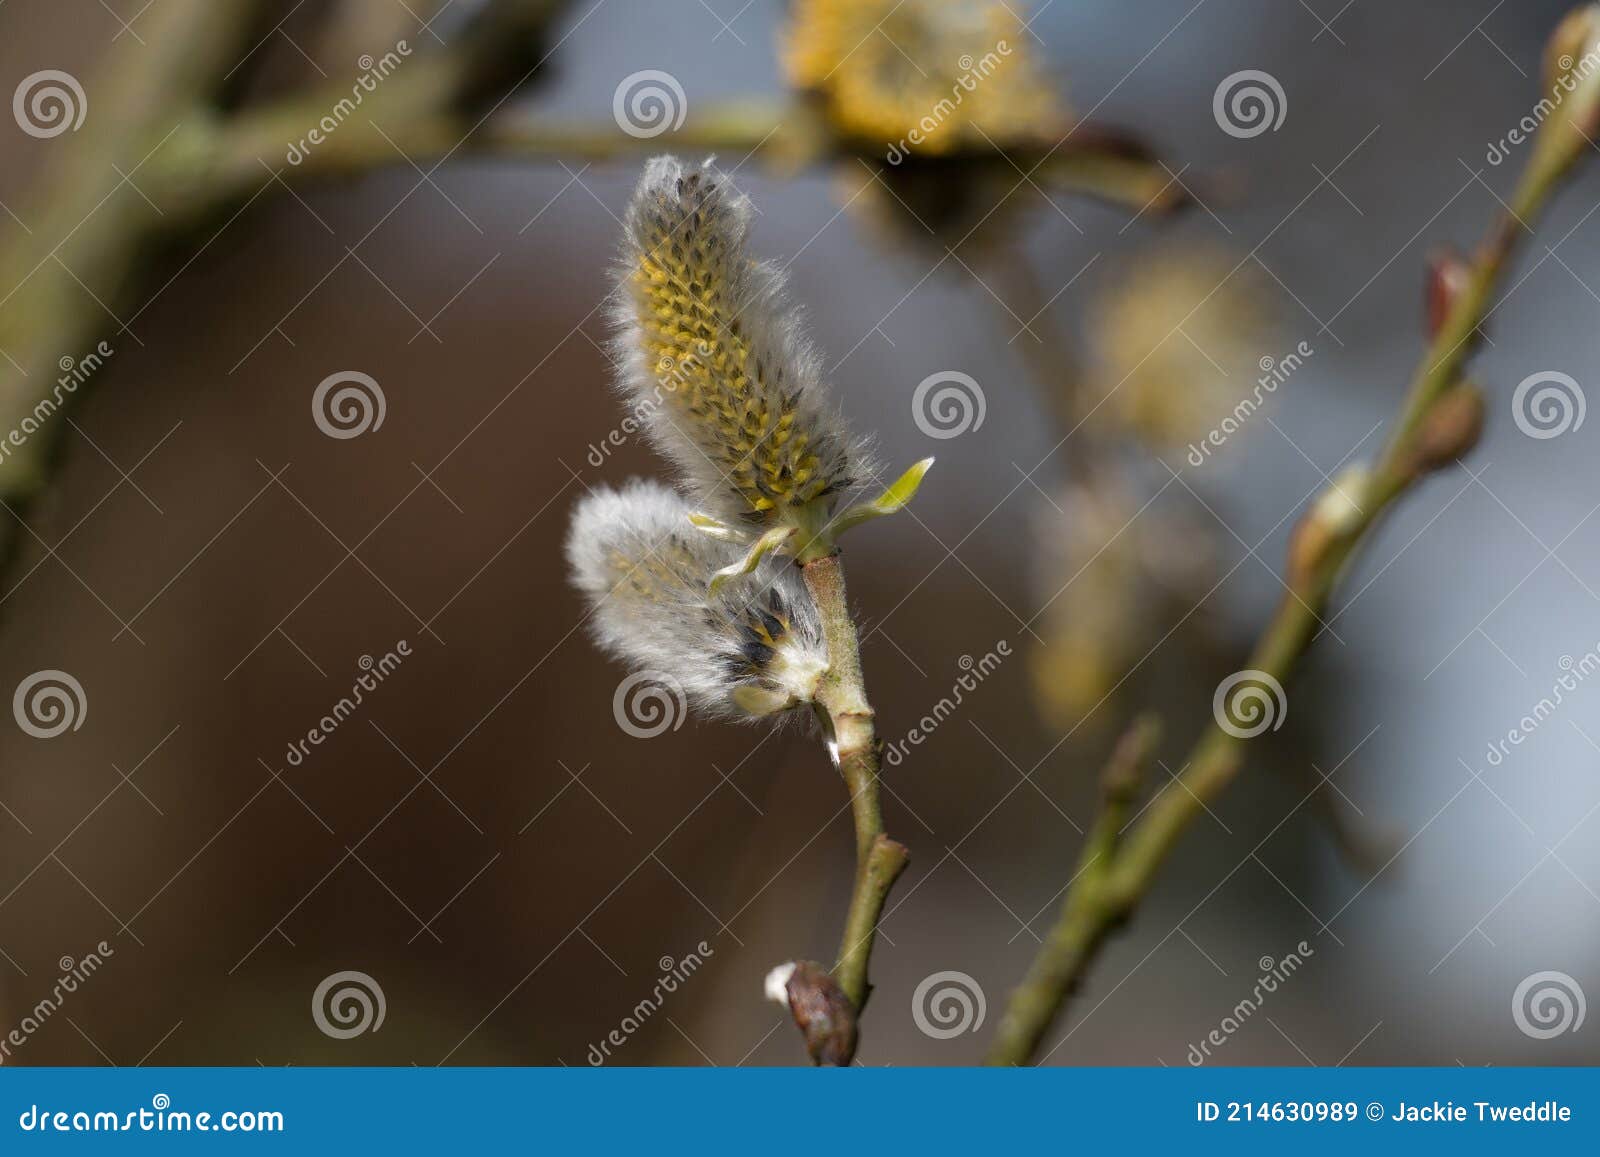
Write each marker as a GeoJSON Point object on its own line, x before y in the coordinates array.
{"type": "Point", "coordinates": [159, 128]}
{"type": "Point", "coordinates": [1440, 420]}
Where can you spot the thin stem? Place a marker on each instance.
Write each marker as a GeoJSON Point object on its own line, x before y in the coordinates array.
{"type": "Point", "coordinates": [85, 230]}
{"type": "Point", "coordinates": [421, 129]}
{"type": "Point", "coordinates": [1116, 874]}
{"type": "Point", "coordinates": [1079, 931]}
{"type": "Point", "coordinates": [854, 743]}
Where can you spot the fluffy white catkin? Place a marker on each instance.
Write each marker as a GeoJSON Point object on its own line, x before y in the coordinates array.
{"type": "Point", "coordinates": [754, 648]}
{"type": "Point", "coordinates": [715, 360]}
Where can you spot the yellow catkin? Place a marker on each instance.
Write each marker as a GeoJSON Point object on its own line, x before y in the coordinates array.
{"type": "Point", "coordinates": [739, 409]}
{"type": "Point", "coordinates": [1177, 340]}
{"type": "Point", "coordinates": [957, 73]}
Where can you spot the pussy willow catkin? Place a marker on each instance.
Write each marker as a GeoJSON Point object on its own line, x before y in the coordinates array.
{"type": "Point", "coordinates": [753, 649]}
{"type": "Point", "coordinates": [716, 357]}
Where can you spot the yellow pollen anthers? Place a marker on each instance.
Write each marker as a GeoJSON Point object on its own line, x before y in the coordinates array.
{"type": "Point", "coordinates": [931, 76]}
{"type": "Point", "coordinates": [659, 578]}
{"type": "Point", "coordinates": [743, 649]}
{"type": "Point", "coordinates": [716, 361]}
{"type": "Point", "coordinates": [735, 406]}
{"type": "Point", "coordinates": [653, 576]}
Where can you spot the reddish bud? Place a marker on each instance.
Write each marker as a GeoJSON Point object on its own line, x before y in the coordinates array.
{"type": "Point", "coordinates": [1448, 275]}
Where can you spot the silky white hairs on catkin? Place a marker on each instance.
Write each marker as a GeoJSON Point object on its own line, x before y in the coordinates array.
{"type": "Point", "coordinates": [714, 357]}
{"type": "Point", "coordinates": [645, 570]}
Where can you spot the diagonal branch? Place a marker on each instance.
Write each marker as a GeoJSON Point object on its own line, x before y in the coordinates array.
{"type": "Point", "coordinates": [1440, 420]}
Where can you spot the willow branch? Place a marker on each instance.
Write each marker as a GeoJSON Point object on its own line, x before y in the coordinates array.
{"type": "Point", "coordinates": [1096, 165]}
{"type": "Point", "coordinates": [1439, 420]}
{"type": "Point", "coordinates": [86, 234]}
{"type": "Point", "coordinates": [853, 741]}
{"type": "Point", "coordinates": [154, 127]}
{"type": "Point", "coordinates": [1083, 922]}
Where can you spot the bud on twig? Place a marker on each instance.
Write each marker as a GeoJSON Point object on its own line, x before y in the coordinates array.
{"type": "Point", "coordinates": [1124, 771]}
{"type": "Point", "coordinates": [1451, 429]}
{"type": "Point", "coordinates": [1573, 81]}
{"type": "Point", "coordinates": [1575, 37]}
{"type": "Point", "coordinates": [1336, 514]}
{"type": "Point", "coordinates": [819, 1006]}
{"type": "Point", "coordinates": [1448, 274]}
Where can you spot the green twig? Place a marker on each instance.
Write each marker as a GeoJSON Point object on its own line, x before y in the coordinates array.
{"type": "Point", "coordinates": [1438, 423]}
{"type": "Point", "coordinates": [853, 740]}
{"type": "Point", "coordinates": [1087, 916]}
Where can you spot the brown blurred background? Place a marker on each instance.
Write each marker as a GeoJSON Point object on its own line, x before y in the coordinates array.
{"type": "Point", "coordinates": [484, 841]}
